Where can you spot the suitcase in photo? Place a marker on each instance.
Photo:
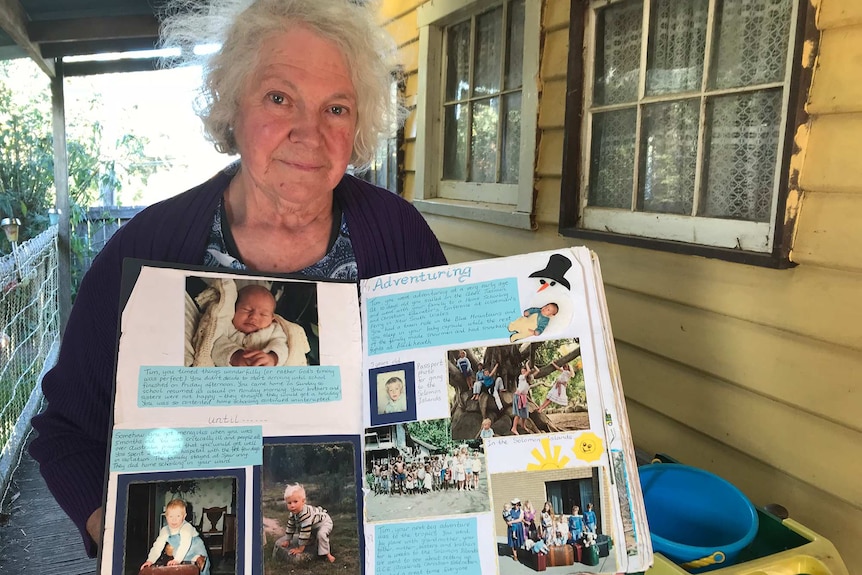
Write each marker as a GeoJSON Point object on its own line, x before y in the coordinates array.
{"type": "Point", "coordinates": [561, 556]}
{"type": "Point", "coordinates": [579, 551]}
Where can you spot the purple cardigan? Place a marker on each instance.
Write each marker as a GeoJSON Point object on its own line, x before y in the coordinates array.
{"type": "Point", "coordinates": [387, 233]}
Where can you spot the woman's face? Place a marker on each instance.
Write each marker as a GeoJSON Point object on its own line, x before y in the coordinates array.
{"type": "Point", "coordinates": [297, 117]}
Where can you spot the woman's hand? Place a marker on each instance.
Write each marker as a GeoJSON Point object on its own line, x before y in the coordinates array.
{"type": "Point", "coordinates": [94, 525]}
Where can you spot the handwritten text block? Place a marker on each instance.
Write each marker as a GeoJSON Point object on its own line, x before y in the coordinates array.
{"type": "Point", "coordinates": [443, 316]}
{"type": "Point", "coordinates": [160, 386]}
{"type": "Point", "coordinates": [448, 547]}
{"type": "Point", "coordinates": [168, 449]}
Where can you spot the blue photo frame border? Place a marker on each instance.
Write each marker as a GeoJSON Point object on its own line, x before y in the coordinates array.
{"type": "Point", "coordinates": [125, 479]}
{"type": "Point", "coordinates": [409, 369]}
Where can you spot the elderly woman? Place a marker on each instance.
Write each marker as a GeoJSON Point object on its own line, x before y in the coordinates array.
{"type": "Point", "coordinates": [299, 89]}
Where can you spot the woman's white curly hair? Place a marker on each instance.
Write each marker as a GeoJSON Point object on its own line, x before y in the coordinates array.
{"type": "Point", "coordinates": [241, 26]}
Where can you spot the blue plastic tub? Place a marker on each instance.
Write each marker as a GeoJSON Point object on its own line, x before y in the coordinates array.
{"type": "Point", "coordinates": [696, 519]}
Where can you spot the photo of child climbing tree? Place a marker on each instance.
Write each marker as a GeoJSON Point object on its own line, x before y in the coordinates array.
{"type": "Point", "coordinates": [517, 389]}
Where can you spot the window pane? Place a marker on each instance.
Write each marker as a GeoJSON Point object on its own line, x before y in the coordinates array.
{"type": "Point", "coordinates": [511, 156]}
{"type": "Point", "coordinates": [488, 52]}
{"type": "Point", "coordinates": [743, 144]}
{"type": "Point", "coordinates": [458, 62]}
{"type": "Point", "coordinates": [392, 166]}
{"type": "Point", "coordinates": [618, 53]}
{"type": "Point", "coordinates": [483, 150]}
{"type": "Point", "coordinates": [380, 165]}
{"type": "Point", "coordinates": [515, 51]}
{"type": "Point", "coordinates": [455, 143]}
{"type": "Point", "coordinates": [751, 45]}
{"type": "Point", "coordinates": [612, 159]}
{"type": "Point", "coordinates": [668, 157]}
{"type": "Point", "coordinates": [676, 46]}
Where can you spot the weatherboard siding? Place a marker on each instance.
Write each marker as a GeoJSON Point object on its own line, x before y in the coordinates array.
{"type": "Point", "coordinates": [753, 373]}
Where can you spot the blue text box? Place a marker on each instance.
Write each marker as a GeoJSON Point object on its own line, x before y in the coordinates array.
{"type": "Point", "coordinates": [443, 316]}
{"type": "Point", "coordinates": [167, 449]}
{"type": "Point", "coordinates": [447, 547]}
{"type": "Point", "coordinates": [160, 386]}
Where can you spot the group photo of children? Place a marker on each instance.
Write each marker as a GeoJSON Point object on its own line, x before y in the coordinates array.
{"type": "Point", "coordinates": [517, 389]}
{"type": "Point", "coordinates": [416, 470]}
{"type": "Point", "coordinates": [309, 509]}
{"type": "Point", "coordinates": [250, 323]}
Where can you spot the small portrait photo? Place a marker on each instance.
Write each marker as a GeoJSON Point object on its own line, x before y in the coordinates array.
{"type": "Point", "coordinates": [517, 389]}
{"type": "Point", "coordinates": [567, 512]}
{"type": "Point", "coordinates": [198, 514]}
{"type": "Point", "coordinates": [393, 393]}
{"type": "Point", "coordinates": [415, 470]}
{"type": "Point", "coordinates": [310, 494]}
{"type": "Point", "coordinates": [245, 322]}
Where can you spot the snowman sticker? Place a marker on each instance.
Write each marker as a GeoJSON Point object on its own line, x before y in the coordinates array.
{"type": "Point", "coordinates": [551, 302]}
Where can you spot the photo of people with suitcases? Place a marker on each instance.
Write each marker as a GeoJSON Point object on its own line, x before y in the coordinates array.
{"type": "Point", "coordinates": [540, 524]}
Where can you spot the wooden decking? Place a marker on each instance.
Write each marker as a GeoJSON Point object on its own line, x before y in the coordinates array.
{"type": "Point", "coordinates": [36, 537]}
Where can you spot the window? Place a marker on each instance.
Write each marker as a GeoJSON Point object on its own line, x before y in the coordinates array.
{"type": "Point", "coordinates": [476, 98]}
{"type": "Point", "coordinates": [685, 117]}
{"type": "Point", "coordinates": [383, 170]}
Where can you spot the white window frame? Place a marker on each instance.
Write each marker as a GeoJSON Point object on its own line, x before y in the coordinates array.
{"type": "Point", "coordinates": [698, 230]}
{"type": "Point", "coordinates": [502, 204]}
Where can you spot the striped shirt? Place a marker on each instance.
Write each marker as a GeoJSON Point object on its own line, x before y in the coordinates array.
{"type": "Point", "coordinates": [305, 521]}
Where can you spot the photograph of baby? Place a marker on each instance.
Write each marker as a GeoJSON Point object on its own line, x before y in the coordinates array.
{"type": "Point", "coordinates": [189, 521]}
{"type": "Point", "coordinates": [250, 323]}
{"type": "Point", "coordinates": [514, 389]}
{"type": "Point", "coordinates": [309, 508]}
{"type": "Point", "coordinates": [415, 470]}
{"type": "Point", "coordinates": [558, 514]}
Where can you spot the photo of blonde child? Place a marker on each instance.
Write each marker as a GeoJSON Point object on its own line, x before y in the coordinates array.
{"type": "Point", "coordinates": [178, 542]}
{"type": "Point", "coordinates": [311, 524]}
{"type": "Point", "coordinates": [391, 396]}
{"type": "Point", "coordinates": [306, 522]}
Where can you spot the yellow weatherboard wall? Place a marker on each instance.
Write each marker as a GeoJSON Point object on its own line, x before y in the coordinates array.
{"type": "Point", "coordinates": [752, 373]}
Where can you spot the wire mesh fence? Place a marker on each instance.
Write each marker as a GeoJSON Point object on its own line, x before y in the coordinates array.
{"type": "Point", "coordinates": [29, 323]}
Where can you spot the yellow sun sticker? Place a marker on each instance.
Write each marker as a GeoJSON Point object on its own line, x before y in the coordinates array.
{"type": "Point", "coordinates": [547, 458]}
{"type": "Point", "coordinates": [588, 447]}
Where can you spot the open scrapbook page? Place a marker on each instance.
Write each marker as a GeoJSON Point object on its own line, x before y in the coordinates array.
{"type": "Point", "coordinates": [470, 422]}
{"type": "Point", "coordinates": [229, 389]}
{"type": "Point", "coordinates": [495, 413]}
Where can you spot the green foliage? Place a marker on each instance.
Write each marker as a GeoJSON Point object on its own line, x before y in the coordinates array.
{"type": "Point", "coordinates": [437, 432]}
{"type": "Point", "coordinates": [302, 463]}
{"type": "Point", "coordinates": [96, 162]}
{"type": "Point", "coordinates": [548, 351]}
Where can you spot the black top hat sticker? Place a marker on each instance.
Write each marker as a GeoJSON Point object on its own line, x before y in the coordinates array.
{"type": "Point", "coordinates": [555, 271]}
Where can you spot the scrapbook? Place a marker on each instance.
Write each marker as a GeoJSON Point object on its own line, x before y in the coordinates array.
{"type": "Point", "coordinates": [466, 419]}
